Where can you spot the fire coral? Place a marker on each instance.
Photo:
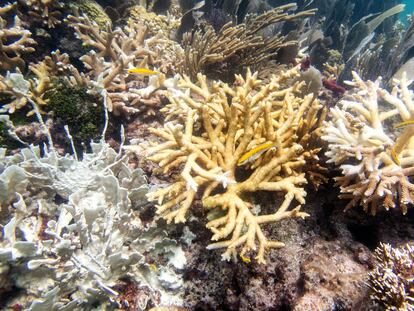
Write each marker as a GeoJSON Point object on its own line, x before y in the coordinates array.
{"type": "Point", "coordinates": [213, 127]}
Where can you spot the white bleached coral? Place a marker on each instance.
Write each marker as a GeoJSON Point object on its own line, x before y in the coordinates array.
{"type": "Point", "coordinates": [376, 161]}
{"type": "Point", "coordinates": [76, 253]}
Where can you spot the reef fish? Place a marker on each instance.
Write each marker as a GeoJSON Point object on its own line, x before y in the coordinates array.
{"type": "Point", "coordinates": [404, 123]}
{"type": "Point", "coordinates": [142, 71]}
{"type": "Point", "coordinates": [394, 156]}
{"type": "Point", "coordinates": [255, 153]}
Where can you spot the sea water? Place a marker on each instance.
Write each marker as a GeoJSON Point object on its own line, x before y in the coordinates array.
{"type": "Point", "coordinates": [409, 9]}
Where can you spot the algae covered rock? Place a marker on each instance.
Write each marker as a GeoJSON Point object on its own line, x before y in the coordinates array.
{"type": "Point", "coordinates": [95, 12]}
{"type": "Point", "coordinates": [76, 108]}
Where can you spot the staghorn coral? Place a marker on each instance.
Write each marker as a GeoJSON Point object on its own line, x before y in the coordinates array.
{"type": "Point", "coordinates": [47, 12]}
{"type": "Point", "coordinates": [376, 164]}
{"type": "Point", "coordinates": [14, 41]}
{"type": "Point", "coordinates": [234, 47]}
{"type": "Point", "coordinates": [114, 52]}
{"type": "Point", "coordinates": [76, 254]}
{"type": "Point", "coordinates": [216, 126]}
{"type": "Point", "coordinates": [392, 281]}
{"type": "Point", "coordinates": [53, 71]}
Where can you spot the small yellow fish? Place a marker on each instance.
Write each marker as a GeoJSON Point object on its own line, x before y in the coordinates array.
{"type": "Point", "coordinates": [254, 153]}
{"type": "Point", "coordinates": [245, 259]}
{"type": "Point", "coordinates": [402, 124]}
{"type": "Point", "coordinates": [142, 71]}
{"type": "Point", "coordinates": [153, 267]}
{"type": "Point", "coordinates": [395, 157]}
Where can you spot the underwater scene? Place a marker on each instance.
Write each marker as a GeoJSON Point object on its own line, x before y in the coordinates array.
{"type": "Point", "coordinates": [207, 155]}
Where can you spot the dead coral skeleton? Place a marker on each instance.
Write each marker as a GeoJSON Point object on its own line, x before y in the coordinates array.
{"type": "Point", "coordinates": [234, 121]}
{"type": "Point", "coordinates": [376, 164]}
{"type": "Point", "coordinates": [236, 46]}
{"type": "Point", "coordinates": [14, 41]}
{"type": "Point", "coordinates": [392, 281]}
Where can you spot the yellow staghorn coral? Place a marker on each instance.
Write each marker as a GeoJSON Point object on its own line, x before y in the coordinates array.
{"type": "Point", "coordinates": [376, 164]}
{"type": "Point", "coordinates": [217, 126]}
{"type": "Point", "coordinates": [20, 89]}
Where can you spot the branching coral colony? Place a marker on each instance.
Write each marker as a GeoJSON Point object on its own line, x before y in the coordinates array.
{"type": "Point", "coordinates": [237, 46]}
{"type": "Point", "coordinates": [223, 125]}
{"type": "Point", "coordinates": [14, 41]}
{"type": "Point", "coordinates": [377, 165]}
{"type": "Point", "coordinates": [392, 279]}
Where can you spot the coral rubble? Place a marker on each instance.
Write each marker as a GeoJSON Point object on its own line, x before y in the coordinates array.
{"type": "Point", "coordinates": [376, 163]}
{"type": "Point", "coordinates": [220, 125]}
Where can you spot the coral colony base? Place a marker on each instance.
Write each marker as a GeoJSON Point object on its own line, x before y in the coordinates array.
{"type": "Point", "coordinates": [121, 120]}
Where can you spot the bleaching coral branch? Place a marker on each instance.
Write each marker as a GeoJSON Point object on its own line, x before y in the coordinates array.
{"type": "Point", "coordinates": [234, 121]}
{"type": "Point", "coordinates": [376, 163]}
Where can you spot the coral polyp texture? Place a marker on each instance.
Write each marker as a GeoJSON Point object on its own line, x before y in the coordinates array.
{"type": "Point", "coordinates": [392, 281]}
{"type": "Point", "coordinates": [229, 141]}
{"type": "Point", "coordinates": [376, 160]}
{"type": "Point", "coordinates": [78, 253]}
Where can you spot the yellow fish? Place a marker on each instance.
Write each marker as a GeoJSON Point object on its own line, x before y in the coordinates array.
{"type": "Point", "coordinates": [245, 259]}
{"type": "Point", "coordinates": [254, 153]}
{"type": "Point", "coordinates": [395, 157]}
{"type": "Point", "coordinates": [405, 123]}
{"type": "Point", "coordinates": [142, 71]}
{"type": "Point", "coordinates": [153, 267]}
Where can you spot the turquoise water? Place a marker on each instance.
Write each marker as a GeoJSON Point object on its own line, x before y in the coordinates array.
{"type": "Point", "coordinates": [409, 8]}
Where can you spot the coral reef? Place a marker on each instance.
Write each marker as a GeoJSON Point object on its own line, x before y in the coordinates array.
{"type": "Point", "coordinates": [15, 40]}
{"type": "Point", "coordinates": [392, 279]}
{"type": "Point", "coordinates": [234, 121]}
{"type": "Point", "coordinates": [376, 164]}
{"type": "Point", "coordinates": [76, 253]}
{"type": "Point", "coordinates": [236, 46]}
{"type": "Point", "coordinates": [112, 54]}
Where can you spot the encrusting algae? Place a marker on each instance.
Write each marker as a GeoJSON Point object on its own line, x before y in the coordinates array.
{"type": "Point", "coordinates": [212, 129]}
